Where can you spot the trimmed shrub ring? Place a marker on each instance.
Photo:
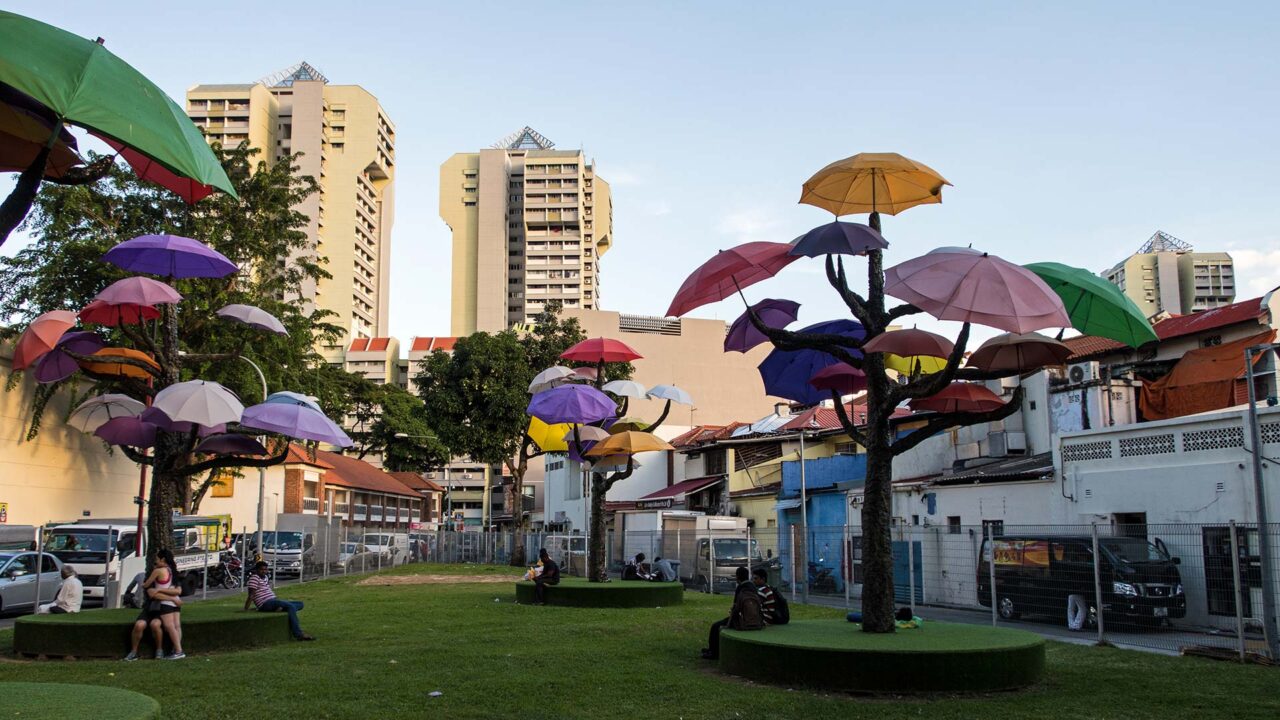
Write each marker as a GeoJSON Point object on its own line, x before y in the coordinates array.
{"type": "Point", "coordinates": [836, 655]}
{"type": "Point", "coordinates": [29, 699]}
{"type": "Point", "coordinates": [105, 633]}
{"type": "Point", "coordinates": [577, 592]}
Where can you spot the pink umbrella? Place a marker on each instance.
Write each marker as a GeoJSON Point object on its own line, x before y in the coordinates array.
{"type": "Point", "coordinates": [729, 271]}
{"type": "Point", "coordinates": [967, 285]}
{"type": "Point", "coordinates": [57, 365]}
{"type": "Point", "coordinates": [1019, 353]}
{"type": "Point", "coordinates": [841, 377]}
{"type": "Point", "coordinates": [960, 397]}
{"type": "Point", "coordinates": [908, 343]}
{"type": "Point", "coordinates": [139, 291]}
{"type": "Point", "coordinates": [41, 336]}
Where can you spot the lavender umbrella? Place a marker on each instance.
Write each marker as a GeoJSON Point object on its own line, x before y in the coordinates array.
{"type": "Point", "coordinates": [138, 291]}
{"type": "Point", "coordinates": [295, 421]}
{"type": "Point", "coordinates": [254, 317]}
{"type": "Point", "coordinates": [171, 256]}
{"type": "Point", "coordinates": [571, 404]}
{"type": "Point", "coordinates": [230, 444]}
{"type": "Point", "coordinates": [156, 417]}
{"type": "Point", "coordinates": [743, 335]}
{"type": "Point", "coordinates": [786, 373]}
{"type": "Point", "coordinates": [838, 238]}
{"type": "Point", "coordinates": [57, 365]}
{"type": "Point", "coordinates": [131, 431]}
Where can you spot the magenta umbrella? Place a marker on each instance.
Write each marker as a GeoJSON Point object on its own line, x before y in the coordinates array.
{"type": "Point", "coordinates": [230, 444]}
{"type": "Point", "coordinates": [172, 256]}
{"type": "Point", "coordinates": [131, 431]}
{"type": "Point", "coordinates": [729, 271]}
{"type": "Point", "coordinates": [959, 397]}
{"type": "Point", "coordinates": [743, 335]}
{"type": "Point", "coordinates": [968, 285]}
{"type": "Point", "coordinates": [841, 377]}
{"type": "Point", "coordinates": [572, 404]}
{"type": "Point", "coordinates": [138, 291]}
{"type": "Point", "coordinates": [156, 417]}
{"type": "Point", "coordinates": [57, 365]}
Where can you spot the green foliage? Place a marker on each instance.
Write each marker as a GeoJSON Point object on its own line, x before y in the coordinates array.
{"type": "Point", "coordinates": [381, 412]}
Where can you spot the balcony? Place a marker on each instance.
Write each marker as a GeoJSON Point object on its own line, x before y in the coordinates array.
{"type": "Point", "coordinates": [310, 505]}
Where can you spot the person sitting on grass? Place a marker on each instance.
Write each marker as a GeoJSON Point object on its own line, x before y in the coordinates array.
{"type": "Point", "coordinates": [69, 595]}
{"type": "Point", "coordinates": [747, 613]}
{"type": "Point", "coordinates": [663, 570]}
{"type": "Point", "coordinates": [550, 575]}
{"type": "Point", "coordinates": [776, 610]}
{"type": "Point", "coordinates": [264, 598]}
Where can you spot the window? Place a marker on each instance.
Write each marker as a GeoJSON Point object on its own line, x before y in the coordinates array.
{"type": "Point", "coordinates": [953, 524]}
{"type": "Point", "coordinates": [996, 528]}
{"type": "Point", "coordinates": [339, 148]}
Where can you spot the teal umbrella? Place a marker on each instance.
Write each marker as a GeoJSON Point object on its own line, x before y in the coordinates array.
{"type": "Point", "coordinates": [1095, 306]}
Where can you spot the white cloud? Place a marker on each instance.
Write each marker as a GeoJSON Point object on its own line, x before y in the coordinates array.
{"type": "Point", "coordinates": [751, 225]}
{"type": "Point", "coordinates": [1257, 270]}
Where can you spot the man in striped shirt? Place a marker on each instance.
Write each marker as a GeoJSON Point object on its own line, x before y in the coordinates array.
{"type": "Point", "coordinates": [768, 595]}
{"type": "Point", "coordinates": [264, 598]}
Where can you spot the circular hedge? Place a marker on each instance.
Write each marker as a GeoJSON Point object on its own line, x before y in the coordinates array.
{"type": "Point", "coordinates": [56, 701]}
{"type": "Point", "coordinates": [837, 655]}
{"type": "Point", "coordinates": [105, 633]}
{"type": "Point", "coordinates": [578, 592]}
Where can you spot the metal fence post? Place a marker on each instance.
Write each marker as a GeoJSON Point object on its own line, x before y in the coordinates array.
{"type": "Point", "coordinates": [1238, 595]}
{"type": "Point", "coordinates": [1097, 583]}
{"type": "Point", "coordinates": [204, 583]}
{"type": "Point", "coordinates": [40, 567]}
{"type": "Point", "coordinates": [991, 573]}
{"type": "Point", "coordinates": [846, 569]}
{"type": "Point", "coordinates": [911, 569]}
{"type": "Point", "coordinates": [794, 581]}
{"type": "Point", "coordinates": [244, 552]}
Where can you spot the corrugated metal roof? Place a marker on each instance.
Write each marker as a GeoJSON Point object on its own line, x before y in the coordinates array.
{"type": "Point", "coordinates": [686, 487]}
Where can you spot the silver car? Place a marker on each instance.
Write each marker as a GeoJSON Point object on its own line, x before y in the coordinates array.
{"type": "Point", "coordinates": [18, 580]}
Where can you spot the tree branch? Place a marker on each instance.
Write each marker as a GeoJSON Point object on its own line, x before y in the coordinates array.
{"type": "Point", "coordinates": [903, 311]}
{"type": "Point", "coordinates": [846, 422]}
{"type": "Point", "coordinates": [933, 384]}
{"type": "Point", "coordinates": [835, 345]}
{"type": "Point", "coordinates": [837, 279]}
{"type": "Point", "coordinates": [945, 421]}
{"type": "Point", "coordinates": [232, 461]}
{"type": "Point", "coordinates": [136, 456]}
{"type": "Point", "coordinates": [141, 339]}
{"type": "Point", "coordinates": [85, 174]}
{"type": "Point", "coordinates": [658, 423]}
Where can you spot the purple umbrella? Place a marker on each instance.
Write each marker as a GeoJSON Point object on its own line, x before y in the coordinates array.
{"type": "Point", "coordinates": [841, 377]}
{"type": "Point", "coordinates": [156, 417]}
{"type": "Point", "coordinates": [295, 421]}
{"type": "Point", "coordinates": [838, 238]}
{"type": "Point", "coordinates": [786, 373]}
{"type": "Point", "coordinates": [773, 313]}
{"type": "Point", "coordinates": [57, 365]}
{"type": "Point", "coordinates": [131, 431]}
{"type": "Point", "coordinates": [138, 291]}
{"type": "Point", "coordinates": [571, 404]}
{"type": "Point", "coordinates": [231, 444]}
{"type": "Point", "coordinates": [171, 256]}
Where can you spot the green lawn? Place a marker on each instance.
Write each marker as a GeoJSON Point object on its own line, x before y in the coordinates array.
{"type": "Point", "coordinates": [381, 650]}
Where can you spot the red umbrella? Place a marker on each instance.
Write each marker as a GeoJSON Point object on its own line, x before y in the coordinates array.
{"type": "Point", "coordinates": [841, 377]}
{"type": "Point", "coordinates": [139, 291]}
{"type": "Point", "coordinates": [99, 312]}
{"type": "Point", "coordinates": [968, 285]}
{"type": "Point", "coordinates": [729, 271]}
{"type": "Point", "coordinates": [147, 169]}
{"type": "Point", "coordinates": [1019, 353]}
{"type": "Point", "coordinates": [960, 397]}
{"type": "Point", "coordinates": [597, 350]}
{"type": "Point", "coordinates": [908, 343]}
{"type": "Point", "coordinates": [41, 336]}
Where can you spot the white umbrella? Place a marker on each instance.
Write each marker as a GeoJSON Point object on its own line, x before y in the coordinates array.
{"type": "Point", "coordinates": [202, 402]}
{"type": "Point", "coordinates": [586, 372]}
{"type": "Point", "coordinates": [286, 396]}
{"type": "Point", "coordinates": [549, 378]}
{"type": "Point", "coordinates": [672, 393]}
{"type": "Point", "coordinates": [625, 388]}
{"type": "Point", "coordinates": [96, 412]}
{"type": "Point", "coordinates": [588, 433]}
{"type": "Point", "coordinates": [254, 317]}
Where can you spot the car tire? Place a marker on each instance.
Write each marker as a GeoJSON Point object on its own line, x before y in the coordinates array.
{"type": "Point", "coordinates": [1007, 609]}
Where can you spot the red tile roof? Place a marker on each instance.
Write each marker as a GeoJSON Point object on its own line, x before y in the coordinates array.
{"type": "Point", "coordinates": [431, 343]}
{"type": "Point", "coordinates": [358, 345]}
{"type": "Point", "coordinates": [1086, 346]}
{"type": "Point", "coordinates": [823, 418]}
{"type": "Point", "coordinates": [299, 454]}
{"type": "Point", "coordinates": [726, 432]}
{"type": "Point", "coordinates": [350, 472]}
{"type": "Point", "coordinates": [695, 435]}
{"type": "Point", "coordinates": [684, 488]}
{"type": "Point", "coordinates": [415, 481]}
{"type": "Point", "coordinates": [379, 344]}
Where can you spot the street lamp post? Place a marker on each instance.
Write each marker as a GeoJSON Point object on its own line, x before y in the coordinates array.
{"type": "Point", "coordinates": [1260, 498]}
{"type": "Point", "coordinates": [262, 471]}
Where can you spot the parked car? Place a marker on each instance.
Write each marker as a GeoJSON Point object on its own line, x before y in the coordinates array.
{"type": "Point", "coordinates": [18, 580]}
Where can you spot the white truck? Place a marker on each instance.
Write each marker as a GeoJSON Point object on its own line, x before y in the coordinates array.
{"type": "Point", "coordinates": [710, 549]}
{"type": "Point", "coordinates": [300, 544]}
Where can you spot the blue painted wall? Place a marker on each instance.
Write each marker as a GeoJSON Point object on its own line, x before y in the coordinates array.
{"type": "Point", "coordinates": [822, 473]}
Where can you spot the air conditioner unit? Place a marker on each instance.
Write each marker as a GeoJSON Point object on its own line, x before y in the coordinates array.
{"type": "Point", "coordinates": [968, 451]}
{"type": "Point", "coordinates": [431, 476]}
{"type": "Point", "coordinates": [1005, 443]}
{"type": "Point", "coordinates": [1084, 372]}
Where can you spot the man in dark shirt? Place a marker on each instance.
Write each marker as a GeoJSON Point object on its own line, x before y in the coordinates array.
{"type": "Point", "coordinates": [712, 651]}
{"type": "Point", "coordinates": [550, 576]}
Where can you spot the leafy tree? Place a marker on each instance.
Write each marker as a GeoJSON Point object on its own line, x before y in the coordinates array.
{"type": "Point", "coordinates": [380, 415]}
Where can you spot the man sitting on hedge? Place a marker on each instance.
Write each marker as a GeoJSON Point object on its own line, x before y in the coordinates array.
{"type": "Point", "coordinates": [550, 575]}
{"type": "Point", "coordinates": [264, 598]}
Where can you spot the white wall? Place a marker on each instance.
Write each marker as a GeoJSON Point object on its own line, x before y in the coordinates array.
{"type": "Point", "coordinates": [242, 506]}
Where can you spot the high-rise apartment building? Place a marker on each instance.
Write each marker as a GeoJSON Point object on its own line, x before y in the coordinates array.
{"type": "Point", "coordinates": [530, 224]}
{"type": "Point", "coordinates": [1167, 276]}
{"type": "Point", "coordinates": [348, 146]}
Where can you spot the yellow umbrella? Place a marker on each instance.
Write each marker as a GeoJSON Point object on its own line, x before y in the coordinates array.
{"type": "Point", "coordinates": [627, 424]}
{"type": "Point", "coordinates": [873, 182]}
{"type": "Point", "coordinates": [550, 438]}
{"type": "Point", "coordinates": [927, 364]}
{"type": "Point", "coordinates": [629, 442]}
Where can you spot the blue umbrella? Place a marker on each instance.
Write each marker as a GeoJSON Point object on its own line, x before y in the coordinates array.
{"type": "Point", "coordinates": [743, 336]}
{"type": "Point", "coordinates": [293, 398]}
{"type": "Point", "coordinates": [786, 373]}
{"type": "Point", "coordinates": [838, 238]}
{"type": "Point", "coordinates": [572, 404]}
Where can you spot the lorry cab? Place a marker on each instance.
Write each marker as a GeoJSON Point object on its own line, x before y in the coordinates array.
{"type": "Point", "coordinates": [718, 560]}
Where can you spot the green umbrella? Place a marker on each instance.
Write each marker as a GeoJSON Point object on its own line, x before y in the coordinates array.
{"type": "Point", "coordinates": [1095, 306]}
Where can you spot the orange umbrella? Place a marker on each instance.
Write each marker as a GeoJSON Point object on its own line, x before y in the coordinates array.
{"type": "Point", "coordinates": [41, 336]}
{"type": "Point", "coordinates": [100, 312]}
{"type": "Point", "coordinates": [629, 442]}
{"type": "Point", "coordinates": [119, 369]}
{"type": "Point", "coordinates": [873, 182]}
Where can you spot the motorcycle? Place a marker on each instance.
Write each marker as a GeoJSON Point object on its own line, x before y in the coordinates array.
{"type": "Point", "coordinates": [821, 579]}
{"type": "Point", "coordinates": [226, 573]}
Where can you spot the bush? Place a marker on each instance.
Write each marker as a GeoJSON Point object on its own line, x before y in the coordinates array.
{"type": "Point", "coordinates": [105, 633]}
{"type": "Point", "coordinates": [578, 592]}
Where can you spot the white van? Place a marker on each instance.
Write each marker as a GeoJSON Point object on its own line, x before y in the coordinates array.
{"type": "Point", "coordinates": [394, 547]}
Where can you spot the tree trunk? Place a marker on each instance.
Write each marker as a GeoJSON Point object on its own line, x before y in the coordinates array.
{"type": "Point", "coordinates": [14, 209]}
{"type": "Point", "coordinates": [597, 561]}
{"type": "Point", "coordinates": [166, 485]}
{"type": "Point", "coordinates": [518, 519]}
{"type": "Point", "coordinates": [877, 508]}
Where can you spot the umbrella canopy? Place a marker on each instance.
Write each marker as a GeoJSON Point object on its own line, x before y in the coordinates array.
{"type": "Point", "coordinates": [968, 285]}
{"type": "Point", "coordinates": [81, 81]}
{"type": "Point", "coordinates": [743, 335]}
{"type": "Point", "coordinates": [613, 462]}
{"type": "Point", "coordinates": [139, 291]}
{"type": "Point", "coordinates": [41, 336]}
{"type": "Point", "coordinates": [293, 398]}
{"type": "Point", "coordinates": [626, 424]}
{"type": "Point", "coordinates": [106, 367]}
{"type": "Point", "coordinates": [131, 431]}
{"type": "Point", "coordinates": [841, 377]}
{"type": "Point", "coordinates": [625, 388]}
{"type": "Point", "coordinates": [192, 191]}
{"type": "Point", "coordinates": [915, 364]}
{"type": "Point", "coordinates": [960, 397]}
{"type": "Point", "coordinates": [873, 182]}
{"type": "Point", "coordinates": [629, 443]}
{"type": "Point", "coordinates": [160, 420]}
{"type": "Point", "coordinates": [94, 412]}
{"type": "Point", "coordinates": [201, 402]}
{"type": "Point", "coordinates": [549, 438]}
{"type": "Point", "coordinates": [571, 404]}
{"type": "Point", "coordinates": [295, 421]}
{"type": "Point", "coordinates": [669, 392]}
{"type": "Point", "coordinates": [57, 365]}
{"type": "Point", "coordinates": [585, 433]}
{"type": "Point", "coordinates": [729, 271]}
{"type": "Point", "coordinates": [786, 373]}
{"type": "Point", "coordinates": [551, 377]}
{"type": "Point", "coordinates": [254, 317]}
{"type": "Point", "coordinates": [910, 342]}
{"type": "Point", "coordinates": [23, 134]}
{"type": "Point", "coordinates": [230, 444]}
{"type": "Point", "coordinates": [598, 350]}
{"type": "Point", "coordinates": [1011, 352]}
{"type": "Point", "coordinates": [171, 256]}
{"type": "Point", "coordinates": [1095, 306]}
{"type": "Point", "coordinates": [838, 238]}
{"type": "Point", "coordinates": [585, 373]}
{"type": "Point", "coordinates": [99, 312]}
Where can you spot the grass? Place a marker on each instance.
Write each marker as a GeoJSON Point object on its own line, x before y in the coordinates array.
{"type": "Point", "coordinates": [49, 700]}
{"type": "Point", "coordinates": [381, 650]}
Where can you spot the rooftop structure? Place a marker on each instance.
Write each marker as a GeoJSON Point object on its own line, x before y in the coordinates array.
{"type": "Point", "coordinates": [1167, 276]}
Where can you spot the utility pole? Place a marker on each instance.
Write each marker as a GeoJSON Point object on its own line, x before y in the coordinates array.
{"type": "Point", "coordinates": [1260, 498]}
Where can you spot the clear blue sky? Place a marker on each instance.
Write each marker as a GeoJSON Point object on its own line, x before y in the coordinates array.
{"type": "Point", "coordinates": [1071, 131]}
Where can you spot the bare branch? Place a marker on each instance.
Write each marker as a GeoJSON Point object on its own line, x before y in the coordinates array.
{"type": "Point", "coordinates": [933, 384]}
{"type": "Point", "coordinates": [837, 279]}
{"type": "Point", "coordinates": [136, 456]}
{"type": "Point", "coordinates": [231, 461]}
{"type": "Point", "coordinates": [835, 345]}
{"type": "Point", "coordinates": [846, 422]}
{"type": "Point", "coordinates": [945, 421]}
{"type": "Point", "coordinates": [903, 311]}
{"type": "Point", "coordinates": [141, 338]}
{"type": "Point", "coordinates": [658, 423]}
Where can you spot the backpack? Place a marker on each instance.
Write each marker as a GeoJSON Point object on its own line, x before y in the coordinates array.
{"type": "Point", "coordinates": [750, 611]}
{"type": "Point", "coordinates": [781, 610]}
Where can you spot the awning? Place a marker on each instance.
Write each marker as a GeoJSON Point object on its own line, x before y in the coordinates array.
{"type": "Point", "coordinates": [791, 504]}
{"type": "Point", "coordinates": [1031, 467]}
{"type": "Point", "coordinates": [686, 487]}
{"type": "Point", "coordinates": [1204, 379]}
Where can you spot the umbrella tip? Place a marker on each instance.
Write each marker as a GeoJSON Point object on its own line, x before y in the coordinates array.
{"type": "Point", "coordinates": [101, 41]}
